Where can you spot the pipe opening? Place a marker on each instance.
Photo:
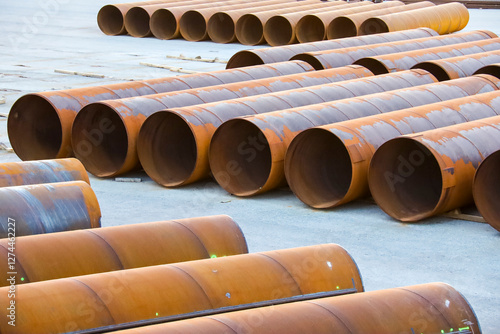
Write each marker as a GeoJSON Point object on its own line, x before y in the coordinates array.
{"type": "Point", "coordinates": [193, 26]}
{"type": "Point", "coordinates": [310, 59]}
{"type": "Point", "coordinates": [405, 179]}
{"type": "Point", "coordinates": [137, 22]}
{"type": "Point", "coordinates": [221, 28]}
{"type": "Point", "coordinates": [34, 128]}
{"type": "Point", "coordinates": [240, 157]}
{"type": "Point", "coordinates": [243, 59]}
{"type": "Point", "coordinates": [278, 31]}
{"type": "Point", "coordinates": [167, 148]}
{"type": "Point", "coordinates": [373, 65]}
{"type": "Point", "coordinates": [434, 69]}
{"type": "Point", "coordinates": [491, 70]}
{"type": "Point", "coordinates": [373, 26]}
{"type": "Point", "coordinates": [318, 168]}
{"type": "Point", "coordinates": [341, 27]}
{"type": "Point", "coordinates": [249, 30]}
{"type": "Point", "coordinates": [110, 20]}
{"type": "Point", "coordinates": [310, 29]}
{"type": "Point", "coordinates": [163, 24]}
{"type": "Point", "coordinates": [486, 185]}
{"type": "Point", "coordinates": [100, 139]}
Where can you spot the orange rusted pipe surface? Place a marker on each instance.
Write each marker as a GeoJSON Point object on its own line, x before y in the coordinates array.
{"type": "Point", "coordinates": [459, 67]}
{"type": "Point", "coordinates": [486, 189]}
{"type": "Point", "coordinates": [406, 60]}
{"type": "Point", "coordinates": [283, 53]}
{"type": "Point", "coordinates": [74, 253]}
{"type": "Point", "coordinates": [105, 299]}
{"type": "Point", "coordinates": [327, 166]}
{"type": "Point", "coordinates": [348, 25]}
{"type": "Point", "coordinates": [424, 308]}
{"type": "Point", "coordinates": [258, 166]}
{"type": "Point", "coordinates": [42, 171]}
{"type": "Point", "coordinates": [493, 69]}
{"type": "Point", "coordinates": [281, 29]}
{"type": "Point", "coordinates": [313, 27]}
{"type": "Point", "coordinates": [116, 151]}
{"type": "Point", "coordinates": [47, 208]}
{"type": "Point", "coordinates": [39, 125]}
{"type": "Point", "coordinates": [346, 56]}
{"type": "Point", "coordinates": [414, 177]}
{"type": "Point", "coordinates": [444, 19]}
{"type": "Point", "coordinates": [190, 129]}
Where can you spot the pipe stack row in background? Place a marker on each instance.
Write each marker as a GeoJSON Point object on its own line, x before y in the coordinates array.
{"type": "Point", "coordinates": [239, 123]}
{"type": "Point", "coordinates": [277, 22]}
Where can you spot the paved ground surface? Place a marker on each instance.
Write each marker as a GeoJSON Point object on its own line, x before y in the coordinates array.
{"type": "Point", "coordinates": [38, 37]}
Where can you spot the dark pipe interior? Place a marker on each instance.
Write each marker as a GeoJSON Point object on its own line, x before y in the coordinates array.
{"type": "Point", "coordinates": [249, 30]}
{"type": "Point", "coordinates": [278, 31]}
{"type": "Point", "coordinates": [341, 27]}
{"type": "Point", "coordinates": [193, 26]}
{"type": "Point", "coordinates": [137, 22]}
{"type": "Point", "coordinates": [372, 64]}
{"type": "Point", "coordinates": [163, 24]}
{"type": "Point", "coordinates": [486, 185]}
{"type": "Point", "coordinates": [434, 69]}
{"type": "Point", "coordinates": [221, 28]}
{"type": "Point", "coordinates": [310, 59]}
{"type": "Point", "coordinates": [110, 20]}
{"type": "Point", "coordinates": [373, 26]}
{"type": "Point", "coordinates": [244, 58]}
{"type": "Point", "coordinates": [491, 70]}
{"type": "Point", "coordinates": [310, 29]}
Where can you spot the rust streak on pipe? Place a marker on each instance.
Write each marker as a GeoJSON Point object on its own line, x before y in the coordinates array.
{"type": "Point", "coordinates": [485, 189]}
{"type": "Point", "coordinates": [91, 301]}
{"type": "Point", "coordinates": [414, 177]}
{"type": "Point", "coordinates": [66, 254]}
{"type": "Point", "coordinates": [327, 166]}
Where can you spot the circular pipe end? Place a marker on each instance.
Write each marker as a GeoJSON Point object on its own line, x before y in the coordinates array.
{"type": "Point", "coordinates": [341, 27]}
{"type": "Point", "coordinates": [405, 179]}
{"type": "Point", "coordinates": [435, 69]}
{"type": "Point", "coordinates": [372, 26]}
{"type": "Point", "coordinates": [485, 190]}
{"type": "Point", "coordinates": [110, 20]}
{"type": "Point", "coordinates": [100, 140]}
{"type": "Point", "coordinates": [373, 65]}
{"type": "Point", "coordinates": [137, 22]}
{"type": "Point", "coordinates": [163, 24]}
{"type": "Point", "coordinates": [310, 59]}
{"type": "Point", "coordinates": [493, 70]}
{"type": "Point", "coordinates": [318, 168]}
{"type": "Point", "coordinates": [34, 128]}
{"type": "Point", "coordinates": [167, 148]}
{"type": "Point", "coordinates": [278, 31]}
{"type": "Point", "coordinates": [240, 157]}
{"type": "Point", "coordinates": [193, 26]}
{"type": "Point", "coordinates": [243, 59]}
{"type": "Point", "coordinates": [310, 28]}
{"type": "Point", "coordinates": [249, 30]}
{"type": "Point", "coordinates": [221, 28]}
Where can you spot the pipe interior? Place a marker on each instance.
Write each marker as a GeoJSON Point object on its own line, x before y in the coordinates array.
{"type": "Point", "coordinates": [373, 65]}
{"type": "Point", "coordinates": [34, 128]}
{"type": "Point", "coordinates": [244, 59]}
{"type": "Point", "coordinates": [278, 31]}
{"type": "Point", "coordinates": [341, 27]}
{"type": "Point", "coordinates": [434, 69]}
{"type": "Point", "coordinates": [137, 22]}
{"type": "Point", "coordinates": [163, 24]}
{"type": "Point", "coordinates": [486, 185]}
{"type": "Point", "coordinates": [240, 157]}
{"type": "Point", "coordinates": [249, 30]}
{"type": "Point", "coordinates": [310, 29]}
{"type": "Point", "coordinates": [310, 59]}
{"type": "Point", "coordinates": [491, 70]}
{"type": "Point", "coordinates": [100, 139]}
{"type": "Point", "coordinates": [319, 168]}
{"type": "Point", "coordinates": [110, 20]}
{"type": "Point", "coordinates": [405, 179]}
{"type": "Point", "coordinates": [193, 26]}
{"type": "Point", "coordinates": [167, 148]}
{"type": "Point", "coordinates": [221, 28]}
{"type": "Point", "coordinates": [373, 26]}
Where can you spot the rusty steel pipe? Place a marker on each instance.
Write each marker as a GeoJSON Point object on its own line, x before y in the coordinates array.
{"type": "Point", "coordinates": [190, 129]}
{"type": "Point", "coordinates": [493, 69]}
{"type": "Point", "coordinates": [427, 308]}
{"type": "Point", "coordinates": [414, 177]}
{"type": "Point", "coordinates": [313, 27]}
{"type": "Point", "coordinates": [39, 124]}
{"type": "Point", "coordinates": [116, 152]}
{"type": "Point", "coordinates": [246, 167]}
{"type": "Point", "coordinates": [346, 56]}
{"type": "Point", "coordinates": [281, 29]}
{"type": "Point", "coordinates": [406, 60]}
{"type": "Point", "coordinates": [282, 53]}
{"type": "Point", "coordinates": [42, 171]}
{"type": "Point", "coordinates": [444, 19]}
{"type": "Point", "coordinates": [48, 208]}
{"type": "Point", "coordinates": [57, 255]}
{"type": "Point", "coordinates": [485, 189]}
{"type": "Point", "coordinates": [348, 25]}
{"type": "Point", "coordinates": [459, 67]}
{"type": "Point", "coordinates": [327, 166]}
{"type": "Point", "coordinates": [91, 301]}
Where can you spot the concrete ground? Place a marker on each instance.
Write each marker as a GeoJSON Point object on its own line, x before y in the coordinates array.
{"type": "Point", "coordinates": [39, 37]}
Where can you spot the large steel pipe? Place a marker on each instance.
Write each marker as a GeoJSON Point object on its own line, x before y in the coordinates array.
{"type": "Point", "coordinates": [459, 67]}
{"type": "Point", "coordinates": [493, 69]}
{"type": "Point", "coordinates": [414, 177]}
{"type": "Point", "coordinates": [406, 60]}
{"type": "Point", "coordinates": [281, 29]}
{"type": "Point", "coordinates": [244, 167]}
{"type": "Point", "coordinates": [444, 19]}
{"type": "Point", "coordinates": [66, 254]}
{"type": "Point", "coordinates": [283, 53]}
{"type": "Point", "coordinates": [348, 25]}
{"type": "Point", "coordinates": [346, 56]}
{"type": "Point", "coordinates": [42, 171]}
{"type": "Point", "coordinates": [313, 27]}
{"type": "Point", "coordinates": [327, 166]}
{"type": "Point", "coordinates": [47, 208]}
{"type": "Point", "coordinates": [189, 130]}
{"type": "Point", "coordinates": [84, 302]}
{"type": "Point", "coordinates": [39, 124]}
{"type": "Point", "coordinates": [424, 308]}
{"type": "Point", "coordinates": [486, 189]}
{"type": "Point", "coordinates": [115, 151]}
